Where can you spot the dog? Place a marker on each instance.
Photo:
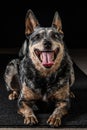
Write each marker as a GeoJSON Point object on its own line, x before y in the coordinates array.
{"type": "Point", "coordinates": [44, 71]}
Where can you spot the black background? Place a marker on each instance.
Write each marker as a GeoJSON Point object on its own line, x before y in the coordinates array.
{"type": "Point", "coordinates": [73, 15]}
{"type": "Point", "coordinates": [12, 26]}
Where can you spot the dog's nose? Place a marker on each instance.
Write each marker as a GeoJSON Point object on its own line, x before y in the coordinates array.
{"type": "Point", "coordinates": [47, 45]}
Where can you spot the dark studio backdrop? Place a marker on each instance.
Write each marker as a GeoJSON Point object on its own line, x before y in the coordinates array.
{"type": "Point", "coordinates": [74, 20]}
{"type": "Point", "coordinates": [73, 17]}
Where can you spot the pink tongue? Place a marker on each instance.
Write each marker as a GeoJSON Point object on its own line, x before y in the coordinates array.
{"type": "Point", "coordinates": [47, 58]}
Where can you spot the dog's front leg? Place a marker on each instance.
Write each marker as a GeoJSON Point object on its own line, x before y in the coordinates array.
{"type": "Point", "coordinates": [25, 105]}
{"type": "Point", "coordinates": [28, 114]}
{"type": "Point", "coordinates": [61, 108]}
{"type": "Point", "coordinates": [58, 113]}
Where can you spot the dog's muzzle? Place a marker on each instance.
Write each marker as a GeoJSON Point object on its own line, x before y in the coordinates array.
{"type": "Point", "coordinates": [47, 45]}
{"type": "Point", "coordinates": [47, 58]}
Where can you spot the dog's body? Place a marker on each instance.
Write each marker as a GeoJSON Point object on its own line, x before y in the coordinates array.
{"type": "Point", "coordinates": [43, 72]}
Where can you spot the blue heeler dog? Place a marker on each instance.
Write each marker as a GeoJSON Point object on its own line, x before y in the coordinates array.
{"type": "Point", "coordinates": [44, 71]}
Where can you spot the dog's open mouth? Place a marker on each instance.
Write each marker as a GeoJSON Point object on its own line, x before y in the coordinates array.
{"type": "Point", "coordinates": [47, 58]}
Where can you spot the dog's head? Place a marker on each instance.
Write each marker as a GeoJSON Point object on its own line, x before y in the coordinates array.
{"type": "Point", "coordinates": [46, 47]}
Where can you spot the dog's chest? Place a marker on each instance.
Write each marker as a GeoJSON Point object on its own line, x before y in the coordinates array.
{"type": "Point", "coordinates": [45, 87]}
{"type": "Point", "coordinates": [45, 98]}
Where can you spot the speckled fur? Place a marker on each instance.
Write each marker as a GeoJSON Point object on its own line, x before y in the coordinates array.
{"type": "Point", "coordinates": [34, 81]}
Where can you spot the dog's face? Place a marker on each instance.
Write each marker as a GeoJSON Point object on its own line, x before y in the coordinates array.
{"type": "Point", "coordinates": [46, 47]}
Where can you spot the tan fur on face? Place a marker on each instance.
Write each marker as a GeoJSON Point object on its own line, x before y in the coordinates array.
{"type": "Point", "coordinates": [44, 71]}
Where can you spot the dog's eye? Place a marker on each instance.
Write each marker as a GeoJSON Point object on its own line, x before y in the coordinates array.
{"type": "Point", "coordinates": [36, 37]}
{"type": "Point", "coordinates": [55, 36]}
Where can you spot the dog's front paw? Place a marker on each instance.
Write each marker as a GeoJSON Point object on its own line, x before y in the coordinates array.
{"type": "Point", "coordinates": [54, 120]}
{"type": "Point", "coordinates": [31, 120]}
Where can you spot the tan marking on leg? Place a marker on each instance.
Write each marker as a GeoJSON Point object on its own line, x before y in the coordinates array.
{"type": "Point", "coordinates": [60, 110]}
{"type": "Point", "coordinates": [28, 94]}
{"type": "Point", "coordinates": [58, 113]}
{"type": "Point", "coordinates": [13, 95]}
{"type": "Point", "coordinates": [62, 93]}
{"type": "Point", "coordinates": [27, 113]}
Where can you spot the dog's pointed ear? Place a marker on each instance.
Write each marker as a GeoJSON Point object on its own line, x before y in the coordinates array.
{"type": "Point", "coordinates": [30, 22]}
{"type": "Point", "coordinates": [57, 23]}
